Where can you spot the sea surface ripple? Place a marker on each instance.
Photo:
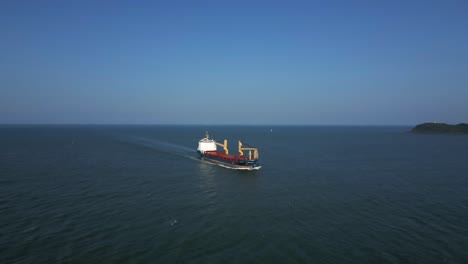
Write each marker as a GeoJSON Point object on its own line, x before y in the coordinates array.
{"type": "Point", "coordinates": [139, 194]}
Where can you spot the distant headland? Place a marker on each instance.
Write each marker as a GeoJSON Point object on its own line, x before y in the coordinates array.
{"type": "Point", "coordinates": [440, 128]}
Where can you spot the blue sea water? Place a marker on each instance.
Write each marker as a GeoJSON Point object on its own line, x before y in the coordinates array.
{"type": "Point", "coordinates": [138, 194]}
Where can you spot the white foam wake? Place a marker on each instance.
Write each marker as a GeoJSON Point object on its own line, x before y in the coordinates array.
{"type": "Point", "coordinates": [162, 146]}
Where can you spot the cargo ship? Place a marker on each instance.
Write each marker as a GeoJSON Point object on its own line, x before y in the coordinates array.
{"type": "Point", "coordinates": [208, 150]}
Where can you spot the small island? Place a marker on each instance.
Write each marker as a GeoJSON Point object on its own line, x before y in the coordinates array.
{"type": "Point", "coordinates": [440, 128]}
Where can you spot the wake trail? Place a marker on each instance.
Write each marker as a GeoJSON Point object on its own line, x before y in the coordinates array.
{"type": "Point", "coordinates": [162, 146]}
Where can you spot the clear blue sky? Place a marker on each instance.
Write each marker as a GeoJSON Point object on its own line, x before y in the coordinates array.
{"type": "Point", "coordinates": [234, 62]}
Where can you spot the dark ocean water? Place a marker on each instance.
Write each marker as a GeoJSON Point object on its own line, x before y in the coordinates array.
{"type": "Point", "coordinates": [138, 194]}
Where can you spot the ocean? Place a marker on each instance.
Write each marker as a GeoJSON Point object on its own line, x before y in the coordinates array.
{"type": "Point", "coordinates": [324, 194]}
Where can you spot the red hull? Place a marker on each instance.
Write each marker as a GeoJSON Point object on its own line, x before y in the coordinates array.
{"type": "Point", "coordinates": [224, 156]}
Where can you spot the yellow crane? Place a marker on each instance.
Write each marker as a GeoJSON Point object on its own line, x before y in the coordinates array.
{"type": "Point", "coordinates": [225, 146]}
{"type": "Point", "coordinates": [255, 150]}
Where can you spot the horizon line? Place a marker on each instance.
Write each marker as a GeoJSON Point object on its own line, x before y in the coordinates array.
{"type": "Point", "coordinates": [191, 124]}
